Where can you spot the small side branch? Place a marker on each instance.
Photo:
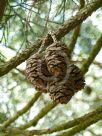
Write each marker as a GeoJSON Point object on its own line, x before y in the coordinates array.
{"type": "Point", "coordinates": [74, 39]}
{"type": "Point", "coordinates": [73, 123]}
{"type": "Point", "coordinates": [22, 111]}
{"type": "Point", "coordinates": [76, 31]}
{"type": "Point", "coordinates": [83, 125]}
{"type": "Point", "coordinates": [77, 125]}
{"type": "Point", "coordinates": [40, 115]}
{"type": "Point", "coordinates": [97, 47]}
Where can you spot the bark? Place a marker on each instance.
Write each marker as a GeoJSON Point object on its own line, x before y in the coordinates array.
{"type": "Point", "coordinates": [62, 31]}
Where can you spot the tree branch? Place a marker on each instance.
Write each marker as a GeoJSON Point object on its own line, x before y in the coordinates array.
{"type": "Point", "coordinates": [74, 39]}
{"type": "Point", "coordinates": [22, 111]}
{"type": "Point", "coordinates": [62, 31]}
{"type": "Point", "coordinates": [97, 47]}
{"type": "Point", "coordinates": [91, 117]}
{"type": "Point", "coordinates": [40, 115]}
{"type": "Point", "coordinates": [77, 124]}
{"type": "Point", "coordinates": [96, 116]}
{"type": "Point", "coordinates": [99, 64]}
{"type": "Point", "coordinates": [76, 32]}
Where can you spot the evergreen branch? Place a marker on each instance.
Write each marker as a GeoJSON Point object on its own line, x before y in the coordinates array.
{"type": "Point", "coordinates": [40, 115]}
{"type": "Point", "coordinates": [13, 132]}
{"type": "Point", "coordinates": [74, 39]}
{"type": "Point", "coordinates": [22, 111]}
{"type": "Point", "coordinates": [77, 125]}
{"type": "Point", "coordinates": [76, 32]}
{"type": "Point", "coordinates": [99, 64]}
{"type": "Point", "coordinates": [96, 116]}
{"type": "Point", "coordinates": [97, 47]}
{"type": "Point", "coordinates": [78, 18]}
{"type": "Point", "coordinates": [90, 116]}
{"type": "Point", "coordinates": [62, 31]}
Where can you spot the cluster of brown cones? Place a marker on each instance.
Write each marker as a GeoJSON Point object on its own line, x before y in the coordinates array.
{"type": "Point", "coordinates": [53, 73]}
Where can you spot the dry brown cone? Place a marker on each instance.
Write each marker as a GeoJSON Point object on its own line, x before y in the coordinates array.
{"type": "Point", "coordinates": [76, 77]}
{"type": "Point", "coordinates": [61, 92]}
{"type": "Point", "coordinates": [56, 57]}
{"type": "Point", "coordinates": [37, 72]}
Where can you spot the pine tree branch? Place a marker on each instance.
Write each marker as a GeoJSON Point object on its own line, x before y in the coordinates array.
{"type": "Point", "coordinates": [76, 32]}
{"type": "Point", "coordinates": [62, 31]}
{"type": "Point", "coordinates": [99, 64]}
{"type": "Point", "coordinates": [77, 125]}
{"type": "Point", "coordinates": [74, 39]}
{"type": "Point", "coordinates": [97, 47]}
{"type": "Point", "coordinates": [40, 115]}
{"type": "Point", "coordinates": [90, 117]}
{"type": "Point", "coordinates": [22, 111]}
{"type": "Point", "coordinates": [96, 116]}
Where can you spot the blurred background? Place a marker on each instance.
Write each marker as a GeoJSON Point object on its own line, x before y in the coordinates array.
{"type": "Point", "coordinates": [23, 23]}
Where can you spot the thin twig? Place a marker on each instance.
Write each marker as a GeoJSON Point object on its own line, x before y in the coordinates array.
{"type": "Point", "coordinates": [84, 124]}
{"type": "Point", "coordinates": [22, 111]}
{"type": "Point", "coordinates": [97, 47]}
{"type": "Point", "coordinates": [40, 115]}
{"type": "Point", "coordinates": [69, 124]}
{"type": "Point", "coordinates": [76, 32]}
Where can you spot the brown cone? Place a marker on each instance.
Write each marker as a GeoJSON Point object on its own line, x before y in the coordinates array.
{"type": "Point", "coordinates": [56, 57]}
{"type": "Point", "coordinates": [61, 92]}
{"type": "Point", "coordinates": [36, 70]}
{"type": "Point", "coordinates": [76, 77]}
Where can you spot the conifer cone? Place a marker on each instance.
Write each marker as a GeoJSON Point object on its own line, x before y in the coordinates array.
{"type": "Point", "coordinates": [56, 57]}
{"type": "Point", "coordinates": [76, 77]}
{"type": "Point", "coordinates": [61, 92]}
{"type": "Point", "coordinates": [36, 70]}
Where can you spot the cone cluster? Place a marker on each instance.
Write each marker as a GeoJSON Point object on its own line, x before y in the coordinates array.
{"type": "Point", "coordinates": [53, 73]}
